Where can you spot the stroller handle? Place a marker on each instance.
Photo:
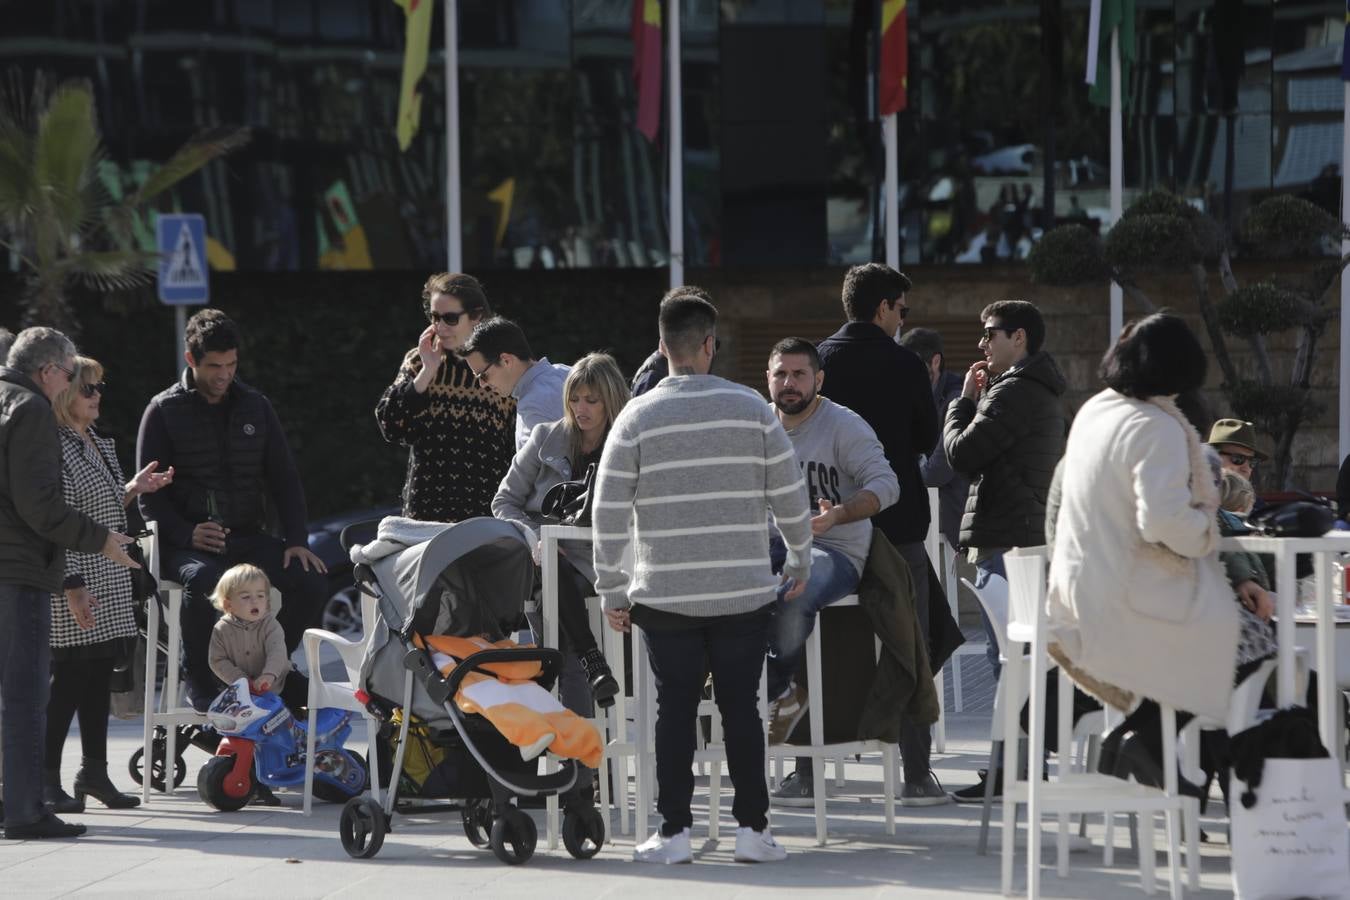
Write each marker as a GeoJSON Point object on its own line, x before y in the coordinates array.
{"type": "Point", "coordinates": [441, 688]}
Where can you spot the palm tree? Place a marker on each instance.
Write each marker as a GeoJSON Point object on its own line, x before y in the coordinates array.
{"type": "Point", "coordinates": [55, 213]}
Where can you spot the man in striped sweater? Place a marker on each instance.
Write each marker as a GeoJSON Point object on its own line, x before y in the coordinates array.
{"type": "Point", "coordinates": [695, 466]}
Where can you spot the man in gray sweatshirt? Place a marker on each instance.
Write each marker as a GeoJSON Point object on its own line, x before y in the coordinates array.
{"type": "Point", "coordinates": [849, 480]}
{"type": "Point", "coordinates": [695, 466]}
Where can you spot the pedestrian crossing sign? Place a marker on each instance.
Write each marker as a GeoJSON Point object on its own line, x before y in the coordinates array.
{"type": "Point", "coordinates": [182, 259]}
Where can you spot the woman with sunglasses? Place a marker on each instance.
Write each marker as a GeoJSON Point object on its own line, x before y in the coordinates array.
{"type": "Point", "coordinates": [92, 620]}
{"type": "Point", "coordinates": [460, 434]}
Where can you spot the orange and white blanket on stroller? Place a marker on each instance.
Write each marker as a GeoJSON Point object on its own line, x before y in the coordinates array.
{"type": "Point", "coordinates": [525, 714]}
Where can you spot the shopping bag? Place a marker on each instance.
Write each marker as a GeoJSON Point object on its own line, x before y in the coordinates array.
{"type": "Point", "coordinates": [1292, 841]}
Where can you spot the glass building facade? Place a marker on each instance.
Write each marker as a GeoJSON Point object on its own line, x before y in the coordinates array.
{"type": "Point", "coordinates": [1228, 102]}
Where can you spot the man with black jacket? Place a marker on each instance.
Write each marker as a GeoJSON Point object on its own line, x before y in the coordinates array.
{"type": "Point", "coordinates": [1005, 433]}
{"type": "Point", "coordinates": [888, 385]}
{"type": "Point", "coordinates": [232, 466]}
{"type": "Point", "coordinates": [36, 528]}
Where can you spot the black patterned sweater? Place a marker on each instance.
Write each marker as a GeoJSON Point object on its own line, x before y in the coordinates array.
{"type": "Point", "coordinates": [460, 437]}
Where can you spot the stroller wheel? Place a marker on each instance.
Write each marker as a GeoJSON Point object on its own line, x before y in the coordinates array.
{"type": "Point", "coordinates": [513, 837]}
{"type": "Point", "coordinates": [477, 818]}
{"type": "Point", "coordinates": [362, 828]}
{"type": "Point", "coordinates": [583, 831]}
{"type": "Point", "coordinates": [136, 765]}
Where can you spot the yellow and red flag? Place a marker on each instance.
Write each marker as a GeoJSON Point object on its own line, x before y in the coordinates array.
{"type": "Point", "coordinates": [894, 75]}
{"type": "Point", "coordinates": [646, 33]}
{"type": "Point", "coordinates": [416, 40]}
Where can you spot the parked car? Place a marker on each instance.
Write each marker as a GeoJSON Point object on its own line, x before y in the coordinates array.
{"type": "Point", "coordinates": [342, 610]}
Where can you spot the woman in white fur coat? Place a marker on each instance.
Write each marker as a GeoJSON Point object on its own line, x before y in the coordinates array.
{"type": "Point", "coordinates": [1139, 604]}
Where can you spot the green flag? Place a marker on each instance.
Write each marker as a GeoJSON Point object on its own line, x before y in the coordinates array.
{"type": "Point", "coordinates": [1105, 17]}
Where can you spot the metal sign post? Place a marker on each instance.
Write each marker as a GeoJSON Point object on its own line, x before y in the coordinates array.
{"type": "Point", "coordinates": [184, 278]}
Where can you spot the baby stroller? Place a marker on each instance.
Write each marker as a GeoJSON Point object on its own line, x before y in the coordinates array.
{"type": "Point", "coordinates": [472, 578]}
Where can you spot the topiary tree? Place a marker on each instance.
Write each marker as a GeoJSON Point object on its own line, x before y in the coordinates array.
{"type": "Point", "coordinates": [1162, 233]}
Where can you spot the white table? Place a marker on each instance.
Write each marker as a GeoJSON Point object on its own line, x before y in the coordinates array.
{"type": "Point", "coordinates": [1325, 550]}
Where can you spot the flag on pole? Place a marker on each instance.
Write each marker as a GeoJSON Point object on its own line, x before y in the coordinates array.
{"type": "Point", "coordinates": [1345, 46]}
{"type": "Point", "coordinates": [646, 33]}
{"type": "Point", "coordinates": [894, 78]}
{"type": "Point", "coordinates": [416, 40]}
{"type": "Point", "coordinates": [1105, 17]}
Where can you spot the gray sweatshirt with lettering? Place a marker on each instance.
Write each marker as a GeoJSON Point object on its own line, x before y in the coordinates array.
{"type": "Point", "coordinates": [840, 455]}
{"type": "Point", "coordinates": [696, 465]}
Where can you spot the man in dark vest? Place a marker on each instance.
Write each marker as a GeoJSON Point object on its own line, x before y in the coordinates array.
{"type": "Point", "coordinates": [232, 471]}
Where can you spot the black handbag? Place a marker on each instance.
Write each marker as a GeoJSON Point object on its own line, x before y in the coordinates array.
{"type": "Point", "coordinates": [1299, 518]}
{"type": "Point", "coordinates": [569, 502]}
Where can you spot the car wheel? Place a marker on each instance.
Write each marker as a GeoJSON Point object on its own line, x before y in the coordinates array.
{"type": "Point", "coordinates": [342, 613]}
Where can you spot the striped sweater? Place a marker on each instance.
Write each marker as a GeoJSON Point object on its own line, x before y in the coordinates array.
{"type": "Point", "coordinates": [695, 466]}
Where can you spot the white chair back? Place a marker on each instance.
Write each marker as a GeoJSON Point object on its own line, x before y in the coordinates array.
{"type": "Point", "coordinates": [1026, 592]}
{"type": "Point", "coordinates": [993, 599]}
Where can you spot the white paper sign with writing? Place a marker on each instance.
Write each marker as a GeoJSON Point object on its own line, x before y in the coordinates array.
{"type": "Point", "coordinates": [1294, 841]}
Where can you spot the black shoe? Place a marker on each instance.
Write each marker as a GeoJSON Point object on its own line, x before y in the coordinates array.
{"type": "Point", "coordinates": [55, 797]}
{"type": "Point", "coordinates": [975, 793]}
{"type": "Point", "coordinates": [604, 687]}
{"type": "Point", "coordinates": [92, 781]}
{"type": "Point", "coordinates": [49, 826]}
{"type": "Point", "coordinates": [1135, 761]}
{"type": "Point", "coordinates": [263, 796]}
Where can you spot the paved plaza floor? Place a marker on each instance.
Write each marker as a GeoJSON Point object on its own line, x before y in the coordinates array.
{"type": "Point", "coordinates": [178, 847]}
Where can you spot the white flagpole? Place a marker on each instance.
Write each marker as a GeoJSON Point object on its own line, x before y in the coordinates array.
{"type": "Point", "coordinates": [675, 225]}
{"type": "Point", "coordinates": [1344, 406]}
{"type": "Point", "coordinates": [454, 251]}
{"type": "Point", "coordinates": [1117, 169]}
{"type": "Point", "coordinates": [892, 193]}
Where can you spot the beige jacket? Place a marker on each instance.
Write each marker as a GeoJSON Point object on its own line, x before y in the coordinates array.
{"type": "Point", "coordinates": [241, 649]}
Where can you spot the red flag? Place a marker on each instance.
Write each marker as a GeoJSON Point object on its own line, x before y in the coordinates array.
{"type": "Point", "coordinates": [646, 33]}
{"type": "Point", "coordinates": [894, 56]}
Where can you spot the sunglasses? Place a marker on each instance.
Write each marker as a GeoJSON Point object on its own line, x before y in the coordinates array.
{"type": "Point", "coordinates": [69, 373]}
{"type": "Point", "coordinates": [988, 333]}
{"type": "Point", "coordinates": [478, 376]}
{"type": "Point", "coordinates": [89, 390]}
{"type": "Point", "coordinates": [449, 318]}
{"type": "Point", "coordinates": [1238, 459]}
{"type": "Point", "coordinates": [904, 311]}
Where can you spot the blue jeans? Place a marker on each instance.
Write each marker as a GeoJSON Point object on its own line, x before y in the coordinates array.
{"type": "Point", "coordinates": [833, 577]}
{"type": "Point", "coordinates": [25, 666]}
{"type": "Point", "coordinates": [734, 650]}
{"type": "Point", "coordinates": [985, 569]}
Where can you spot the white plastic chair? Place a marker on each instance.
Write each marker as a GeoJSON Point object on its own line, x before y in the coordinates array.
{"type": "Point", "coordinates": [819, 751]}
{"type": "Point", "coordinates": [1085, 792]}
{"type": "Point", "coordinates": [1086, 731]}
{"type": "Point", "coordinates": [341, 694]}
{"type": "Point", "coordinates": [170, 712]}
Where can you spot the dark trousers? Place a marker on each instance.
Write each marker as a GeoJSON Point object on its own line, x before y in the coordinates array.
{"type": "Point", "coordinates": [734, 649]}
{"type": "Point", "coordinates": [573, 620]}
{"type": "Point", "coordinates": [25, 667]}
{"type": "Point", "coordinates": [302, 593]}
{"type": "Point", "coordinates": [916, 741]}
{"type": "Point", "coordinates": [79, 687]}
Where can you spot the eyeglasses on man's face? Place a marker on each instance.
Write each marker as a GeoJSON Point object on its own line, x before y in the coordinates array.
{"type": "Point", "coordinates": [89, 390]}
{"type": "Point", "coordinates": [988, 334]}
{"type": "Point", "coordinates": [1239, 459]}
{"type": "Point", "coordinates": [69, 373]}
{"type": "Point", "coordinates": [478, 376]}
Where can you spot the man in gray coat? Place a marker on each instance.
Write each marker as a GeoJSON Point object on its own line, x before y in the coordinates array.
{"type": "Point", "coordinates": [36, 528]}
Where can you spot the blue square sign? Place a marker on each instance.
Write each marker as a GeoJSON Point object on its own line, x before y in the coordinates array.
{"type": "Point", "coordinates": [183, 278]}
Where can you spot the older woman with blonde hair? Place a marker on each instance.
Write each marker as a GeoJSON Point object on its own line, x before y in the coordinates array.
{"type": "Point", "coordinates": [594, 393]}
{"type": "Point", "coordinates": [92, 619]}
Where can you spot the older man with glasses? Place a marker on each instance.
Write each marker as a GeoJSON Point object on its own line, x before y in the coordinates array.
{"type": "Point", "coordinates": [1235, 441]}
{"type": "Point", "coordinates": [458, 431]}
{"type": "Point", "coordinates": [36, 528]}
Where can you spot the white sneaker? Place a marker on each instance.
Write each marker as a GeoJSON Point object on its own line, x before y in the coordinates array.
{"type": "Point", "coordinates": [758, 846]}
{"type": "Point", "coordinates": [669, 850]}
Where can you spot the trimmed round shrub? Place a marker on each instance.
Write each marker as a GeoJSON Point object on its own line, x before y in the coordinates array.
{"type": "Point", "coordinates": [1067, 255]}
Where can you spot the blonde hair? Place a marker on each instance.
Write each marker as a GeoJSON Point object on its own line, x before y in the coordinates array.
{"type": "Point", "coordinates": [600, 373]}
{"type": "Point", "coordinates": [1236, 493]}
{"type": "Point", "coordinates": [234, 579]}
{"type": "Point", "coordinates": [87, 371]}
